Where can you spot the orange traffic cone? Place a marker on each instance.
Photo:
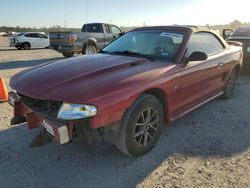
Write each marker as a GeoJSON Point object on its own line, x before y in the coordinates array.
{"type": "Point", "coordinates": [3, 91]}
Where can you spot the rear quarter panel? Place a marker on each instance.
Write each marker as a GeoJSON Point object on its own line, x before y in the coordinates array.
{"type": "Point", "coordinates": [245, 45]}
{"type": "Point", "coordinates": [233, 57]}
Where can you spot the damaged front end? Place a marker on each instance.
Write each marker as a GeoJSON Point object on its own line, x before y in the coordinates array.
{"type": "Point", "coordinates": [61, 122]}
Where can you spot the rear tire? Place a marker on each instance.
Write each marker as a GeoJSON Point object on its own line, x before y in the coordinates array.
{"type": "Point", "coordinates": [141, 126]}
{"type": "Point", "coordinates": [19, 47]}
{"type": "Point", "coordinates": [229, 87]}
{"type": "Point", "coordinates": [26, 46]}
{"type": "Point", "coordinates": [89, 49]}
{"type": "Point", "coordinates": [68, 54]}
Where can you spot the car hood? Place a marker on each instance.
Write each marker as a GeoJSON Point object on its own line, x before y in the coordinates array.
{"type": "Point", "coordinates": [80, 79]}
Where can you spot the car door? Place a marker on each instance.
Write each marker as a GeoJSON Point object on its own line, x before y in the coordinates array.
{"type": "Point", "coordinates": [115, 31]}
{"type": "Point", "coordinates": [108, 34]}
{"type": "Point", "coordinates": [34, 40]}
{"type": "Point", "coordinates": [44, 41]}
{"type": "Point", "coordinates": [201, 80]}
{"type": "Point", "coordinates": [27, 38]}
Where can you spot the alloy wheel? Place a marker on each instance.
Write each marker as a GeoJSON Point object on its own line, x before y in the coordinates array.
{"type": "Point", "coordinates": [146, 127]}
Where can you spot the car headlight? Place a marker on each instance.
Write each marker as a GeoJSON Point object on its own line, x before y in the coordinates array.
{"type": "Point", "coordinates": [76, 111]}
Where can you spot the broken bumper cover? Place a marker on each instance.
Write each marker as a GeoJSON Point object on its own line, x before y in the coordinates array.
{"type": "Point", "coordinates": [61, 131]}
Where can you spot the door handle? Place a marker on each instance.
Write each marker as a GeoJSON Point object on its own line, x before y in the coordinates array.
{"type": "Point", "coordinates": [220, 65]}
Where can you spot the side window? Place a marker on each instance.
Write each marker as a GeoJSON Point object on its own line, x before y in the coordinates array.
{"type": "Point", "coordinates": [242, 32]}
{"type": "Point", "coordinates": [92, 28]}
{"type": "Point", "coordinates": [107, 29]}
{"type": "Point", "coordinates": [27, 35]}
{"type": "Point", "coordinates": [204, 42]}
{"type": "Point", "coordinates": [115, 30]}
{"type": "Point", "coordinates": [33, 35]}
{"type": "Point", "coordinates": [42, 36]}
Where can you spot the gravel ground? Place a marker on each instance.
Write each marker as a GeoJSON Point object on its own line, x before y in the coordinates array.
{"type": "Point", "coordinates": [209, 147]}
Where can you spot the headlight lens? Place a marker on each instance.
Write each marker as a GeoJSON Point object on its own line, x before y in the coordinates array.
{"type": "Point", "coordinates": [76, 111]}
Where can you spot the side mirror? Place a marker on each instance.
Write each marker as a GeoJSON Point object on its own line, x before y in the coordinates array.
{"type": "Point", "coordinates": [226, 33]}
{"type": "Point", "coordinates": [122, 33]}
{"type": "Point", "coordinates": [197, 56]}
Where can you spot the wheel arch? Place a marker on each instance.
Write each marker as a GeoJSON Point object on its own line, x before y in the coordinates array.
{"type": "Point", "coordinates": [237, 68]}
{"type": "Point", "coordinates": [26, 42]}
{"type": "Point", "coordinates": [162, 97]}
{"type": "Point", "coordinates": [89, 41]}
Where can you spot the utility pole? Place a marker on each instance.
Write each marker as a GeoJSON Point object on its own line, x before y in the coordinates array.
{"type": "Point", "coordinates": [86, 13]}
{"type": "Point", "coordinates": [86, 17]}
{"type": "Point", "coordinates": [65, 23]}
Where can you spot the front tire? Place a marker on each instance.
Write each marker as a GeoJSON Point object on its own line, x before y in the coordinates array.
{"type": "Point", "coordinates": [26, 46]}
{"type": "Point", "coordinates": [140, 126]}
{"type": "Point", "coordinates": [229, 87]}
{"type": "Point", "coordinates": [19, 48]}
{"type": "Point", "coordinates": [89, 49]}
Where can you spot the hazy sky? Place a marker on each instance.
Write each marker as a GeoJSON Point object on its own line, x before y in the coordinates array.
{"type": "Point", "coordinates": [47, 13]}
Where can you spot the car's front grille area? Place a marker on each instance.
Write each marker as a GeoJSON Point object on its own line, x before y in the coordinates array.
{"type": "Point", "coordinates": [46, 108]}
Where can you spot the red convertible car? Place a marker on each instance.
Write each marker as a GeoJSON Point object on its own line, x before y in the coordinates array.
{"type": "Point", "coordinates": [124, 94]}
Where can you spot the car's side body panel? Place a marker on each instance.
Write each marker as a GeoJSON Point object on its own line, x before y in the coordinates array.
{"type": "Point", "coordinates": [184, 88]}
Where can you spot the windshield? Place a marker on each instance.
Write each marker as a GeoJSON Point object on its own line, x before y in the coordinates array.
{"type": "Point", "coordinates": [242, 32]}
{"type": "Point", "coordinates": [20, 34]}
{"type": "Point", "coordinates": [156, 44]}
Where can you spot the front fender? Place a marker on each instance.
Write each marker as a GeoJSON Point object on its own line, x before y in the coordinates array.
{"type": "Point", "coordinates": [112, 107]}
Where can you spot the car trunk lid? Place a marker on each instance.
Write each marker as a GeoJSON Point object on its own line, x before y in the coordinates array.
{"type": "Point", "coordinates": [245, 44]}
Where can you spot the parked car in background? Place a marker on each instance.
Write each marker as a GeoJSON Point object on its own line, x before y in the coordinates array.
{"type": "Point", "coordinates": [242, 35]}
{"type": "Point", "coordinates": [91, 39]}
{"type": "Point", "coordinates": [4, 34]}
{"type": "Point", "coordinates": [29, 40]}
{"type": "Point", "coordinates": [124, 94]}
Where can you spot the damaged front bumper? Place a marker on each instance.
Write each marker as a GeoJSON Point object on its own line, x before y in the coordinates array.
{"type": "Point", "coordinates": [61, 131]}
{"type": "Point", "coordinates": [64, 131]}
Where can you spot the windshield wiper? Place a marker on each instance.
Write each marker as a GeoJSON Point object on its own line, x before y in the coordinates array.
{"type": "Point", "coordinates": [131, 53]}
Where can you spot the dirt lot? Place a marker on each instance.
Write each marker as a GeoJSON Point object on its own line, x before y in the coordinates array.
{"type": "Point", "coordinates": [209, 147]}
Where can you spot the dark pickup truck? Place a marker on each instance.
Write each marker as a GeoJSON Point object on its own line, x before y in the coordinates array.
{"type": "Point", "coordinates": [242, 35]}
{"type": "Point", "coordinates": [92, 38]}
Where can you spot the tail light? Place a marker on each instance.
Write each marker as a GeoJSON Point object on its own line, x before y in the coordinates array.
{"type": "Point", "coordinates": [72, 38]}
